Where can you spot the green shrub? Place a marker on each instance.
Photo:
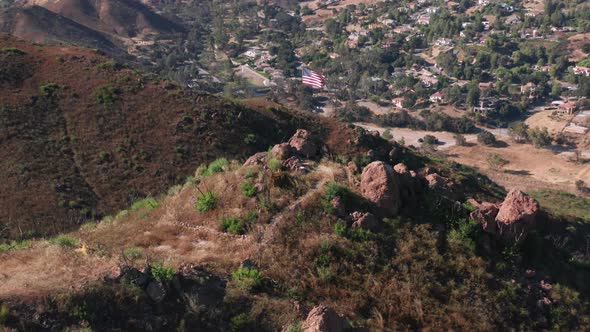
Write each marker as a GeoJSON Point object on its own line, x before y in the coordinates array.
{"type": "Point", "coordinates": [487, 138]}
{"type": "Point", "coordinates": [4, 314]}
{"type": "Point", "coordinates": [216, 166]}
{"type": "Point", "coordinates": [250, 139]}
{"type": "Point", "coordinates": [341, 159]}
{"type": "Point", "coordinates": [468, 206]}
{"type": "Point", "coordinates": [107, 95]}
{"type": "Point", "coordinates": [88, 226]}
{"type": "Point", "coordinates": [148, 203]}
{"type": "Point", "coordinates": [296, 327]}
{"type": "Point", "coordinates": [13, 50]}
{"type": "Point", "coordinates": [267, 204]}
{"type": "Point", "coordinates": [104, 156]}
{"type": "Point", "coordinates": [248, 279]}
{"type": "Point", "coordinates": [340, 228]}
{"type": "Point", "coordinates": [49, 89]}
{"type": "Point", "coordinates": [109, 65]}
{"type": "Point", "coordinates": [251, 216]}
{"type": "Point", "coordinates": [465, 233]}
{"type": "Point", "coordinates": [15, 245]}
{"type": "Point", "coordinates": [248, 190]}
{"type": "Point", "coordinates": [233, 225]}
{"type": "Point", "coordinates": [206, 201]}
{"type": "Point", "coordinates": [334, 190]}
{"type": "Point", "coordinates": [239, 322]}
{"type": "Point", "coordinates": [162, 273]}
{"type": "Point", "coordinates": [431, 140]}
{"type": "Point", "coordinates": [66, 241]}
{"type": "Point", "coordinates": [132, 253]}
{"type": "Point", "coordinates": [275, 164]}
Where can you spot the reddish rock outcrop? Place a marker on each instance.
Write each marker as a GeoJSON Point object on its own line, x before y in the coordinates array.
{"type": "Point", "coordinates": [517, 215]}
{"type": "Point", "coordinates": [304, 143]}
{"type": "Point", "coordinates": [282, 151]}
{"type": "Point", "coordinates": [427, 171]}
{"type": "Point", "coordinates": [401, 168]}
{"type": "Point", "coordinates": [256, 159]}
{"type": "Point", "coordinates": [380, 185]}
{"type": "Point", "coordinates": [365, 221]}
{"type": "Point", "coordinates": [435, 181]}
{"type": "Point", "coordinates": [294, 164]}
{"type": "Point", "coordinates": [511, 220]}
{"type": "Point", "coordinates": [486, 215]}
{"type": "Point", "coordinates": [324, 319]}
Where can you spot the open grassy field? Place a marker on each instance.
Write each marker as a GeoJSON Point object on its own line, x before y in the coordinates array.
{"type": "Point", "coordinates": [564, 204]}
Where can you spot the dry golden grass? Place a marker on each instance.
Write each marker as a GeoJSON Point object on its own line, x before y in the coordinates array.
{"type": "Point", "coordinates": [172, 233]}
{"type": "Point", "coordinates": [48, 268]}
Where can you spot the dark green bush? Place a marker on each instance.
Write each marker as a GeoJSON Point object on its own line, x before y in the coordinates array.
{"type": "Point", "coordinates": [248, 190]}
{"type": "Point", "coordinates": [233, 225]}
{"type": "Point", "coordinates": [216, 166]}
{"type": "Point", "coordinates": [48, 90]}
{"type": "Point", "coordinates": [107, 95]}
{"type": "Point", "coordinates": [162, 273]}
{"type": "Point", "coordinates": [248, 279]}
{"type": "Point", "coordinates": [206, 201]}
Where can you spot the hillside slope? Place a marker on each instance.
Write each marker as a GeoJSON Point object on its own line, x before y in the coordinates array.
{"type": "Point", "coordinates": [296, 237]}
{"type": "Point", "coordinates": [103, 24]}
{"type": "Point", "coordinates": [123, 18]}
{"type": "Point", "coordinates": [40, 25]}
{"type": "Point", "coordinates": [81, 136]}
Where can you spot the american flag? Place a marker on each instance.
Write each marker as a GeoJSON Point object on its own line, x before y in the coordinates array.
{"type": "Point", "coordinates": [313, 79]}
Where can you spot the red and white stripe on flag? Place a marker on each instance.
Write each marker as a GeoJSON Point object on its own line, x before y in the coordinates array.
{"type": "Point", "coordinates": [313, 79]}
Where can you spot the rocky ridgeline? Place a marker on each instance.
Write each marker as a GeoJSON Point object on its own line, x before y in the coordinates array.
{"type": "Point", "coordinates": [396, 189]}
{"type": "Point", "coordinates": [393, 190]}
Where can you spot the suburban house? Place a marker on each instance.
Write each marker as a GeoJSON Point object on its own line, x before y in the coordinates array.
{"type": "Point", "coordinates": [582, 70]}
{"type": "Point", "coordinates": [424, 20]}
{"type": "Point", "coordinates": [485, 105]}
{"type": "Point", "coordinates": [567, 108]}
{"type": "Point", "coordinates": [437, 97]}
{"type": "Point", "coordinates": [398, 102]}
{"type": "Point", "coordinates": [486, 85]}
{"type": "Point", "coordinates": [530, 88]}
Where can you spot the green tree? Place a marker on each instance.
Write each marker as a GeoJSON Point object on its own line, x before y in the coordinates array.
{"type": "Point", "coordinates": [518, 132]}
{"type": "Point", "coordinates": [495, 161]}
{"type": "Point", "coordinates": [460, 140]}
{"type": "Point", "coordinates": [539, 137]}
{"type": "Point", "coordinates": [487, 138]}
{"type": "Point", "coordinates": [472, 94]}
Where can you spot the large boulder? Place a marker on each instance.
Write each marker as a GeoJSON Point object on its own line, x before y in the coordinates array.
{"type": "Point", "coordinates": [401, 168]}
{"type": "Point", "coordinates": [324, 319]}
{"type": "Point", "coordinates": [281, 151]}
{"type": "Point", "coordinates": [486, 213]}
{"type": "Point", "coordinates": [304, 143]}
{"type": "Point", "coordinates": [295, 164]}
{"type": "Point", "coordinates": [257, 159]}
{"type": "Point", "coordinates": [380, 185]}
{"type": "Point", "coordinates": [435, 181]}
{"type": "Point", "coordinates": [517, 215]}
